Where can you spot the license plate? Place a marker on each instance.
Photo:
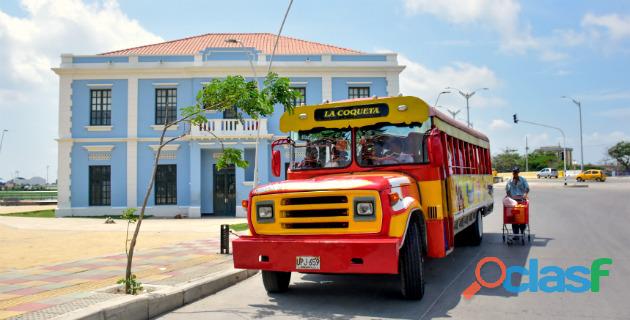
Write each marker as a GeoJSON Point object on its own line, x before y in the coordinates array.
{"type": "Point", "coordinates": [306, 262]}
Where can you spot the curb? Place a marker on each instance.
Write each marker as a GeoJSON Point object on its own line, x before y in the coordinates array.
{"type": "Point", "coordinates": [158, 302]}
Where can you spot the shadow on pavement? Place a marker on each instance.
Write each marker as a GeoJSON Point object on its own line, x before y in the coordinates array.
{"type": "Point", "coordinates": [346, 296]}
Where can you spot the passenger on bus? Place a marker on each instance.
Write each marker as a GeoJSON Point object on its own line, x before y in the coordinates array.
{"type": "Point", "coordinates": [394, 153]}
{"type": "Point", "coordinates": [517, 188]}
{"type": "Point", "coordinates": [339, 155]}
{"type": "Point", "coordinates": [310, 160]}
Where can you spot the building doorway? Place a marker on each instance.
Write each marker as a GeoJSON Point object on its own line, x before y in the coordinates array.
{"type": "Point", "coordinates": [224, 195]}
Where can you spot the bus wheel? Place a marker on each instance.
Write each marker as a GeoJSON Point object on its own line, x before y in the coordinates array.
{"type": "Point", "coordinates": [276, 281]}
{"type": "Point", "coordinates": [411, 265]}
{"type": "Point", "coordinates": [475, 231]}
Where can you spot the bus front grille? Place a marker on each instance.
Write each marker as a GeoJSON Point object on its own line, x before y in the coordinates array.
{"type": "Point", "coordinates": [315, 212]}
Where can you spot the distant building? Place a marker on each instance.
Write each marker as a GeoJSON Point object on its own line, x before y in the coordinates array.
{"type": "Point", "coordinates": [34, 181]}
{"type": "Point", "coordinates": [112, 108]}
{"type": "Point", "coordinates": [558, 151]}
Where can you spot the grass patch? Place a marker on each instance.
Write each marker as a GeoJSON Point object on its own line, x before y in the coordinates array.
{"type": "Point", "coordinates": [239, 226]}
{"type": "Point", "coordinates": [33, 214]}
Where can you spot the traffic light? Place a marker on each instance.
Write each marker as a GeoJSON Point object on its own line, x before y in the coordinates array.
{"type": "Point", "coordinates": [515, 118]}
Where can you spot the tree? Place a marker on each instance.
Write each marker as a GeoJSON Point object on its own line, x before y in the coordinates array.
{"type": "Point", "coordinates": [621, 153]}
{"type": "Point", "coordinates": [544, 159]}
{"type": "Point", "coordinates": [218, 95]}
{"type": "Point", "coordinates": [504, 162]}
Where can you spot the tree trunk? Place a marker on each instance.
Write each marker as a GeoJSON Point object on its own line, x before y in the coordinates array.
{"type": "Point", "coordinates": [132, 245]}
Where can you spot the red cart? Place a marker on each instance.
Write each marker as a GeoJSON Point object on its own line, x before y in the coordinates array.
{"type": "Point", "coordinates": [518, 213]}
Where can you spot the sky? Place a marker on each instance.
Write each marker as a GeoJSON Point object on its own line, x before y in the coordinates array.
{"type": "Point", "coordinates": [528, 53]}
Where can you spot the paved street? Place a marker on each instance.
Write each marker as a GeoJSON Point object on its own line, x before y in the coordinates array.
{"type": "Point", "coordinates": [572, 226]}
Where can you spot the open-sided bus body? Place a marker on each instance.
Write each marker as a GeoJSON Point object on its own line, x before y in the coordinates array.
{"type": "Point", "coordinates": [374, 185]}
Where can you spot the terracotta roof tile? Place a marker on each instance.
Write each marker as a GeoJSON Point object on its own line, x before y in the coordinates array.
{"type": "Point", "coordinates": [261, 41]}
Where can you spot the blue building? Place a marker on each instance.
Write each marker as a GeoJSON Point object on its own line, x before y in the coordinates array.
{"type": "Point", "coordinates": [112, 107]}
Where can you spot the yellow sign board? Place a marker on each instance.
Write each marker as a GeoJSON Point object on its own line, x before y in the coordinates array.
{"type": "Point", "coordinates": [358, 113]}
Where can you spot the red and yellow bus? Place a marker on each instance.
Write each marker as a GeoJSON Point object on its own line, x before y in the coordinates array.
{"type": "Point", "coordinates": [373, 187]}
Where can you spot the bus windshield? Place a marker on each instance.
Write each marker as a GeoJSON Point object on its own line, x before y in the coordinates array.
{"type": "Point", "coordinates": [387, 144]}
{"type": "Point", "coordinates": [322, 148]}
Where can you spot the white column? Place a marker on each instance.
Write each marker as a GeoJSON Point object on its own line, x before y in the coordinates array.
{"type": "Point", "coordinates": [64, 169]}
{"type": "Point", "coordinates": [326, 87]}
{"type": "Point", "coordinates": [132, 144]}
{"type": "Point", "coordinates": [392, 83]}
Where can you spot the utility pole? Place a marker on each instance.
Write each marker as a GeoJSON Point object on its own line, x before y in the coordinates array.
{"type": "Point", "coordinates": [564, 137]}
{"type": "Point", "coordinates": [579, 105]}
{"type": "Point", "coordinates": [47, 166]}
{"type": "Point", "coordinates": [526, 155]}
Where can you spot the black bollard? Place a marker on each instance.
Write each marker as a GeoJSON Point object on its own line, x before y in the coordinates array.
{"type": "Point", "coordinates": [225, 239]}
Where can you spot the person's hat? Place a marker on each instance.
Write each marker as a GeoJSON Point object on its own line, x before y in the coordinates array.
{"type": "Point", "coordinates": [516, 169]}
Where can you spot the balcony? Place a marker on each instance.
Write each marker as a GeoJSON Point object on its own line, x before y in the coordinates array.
{"type": "Point", "coordinates": [229, 128]}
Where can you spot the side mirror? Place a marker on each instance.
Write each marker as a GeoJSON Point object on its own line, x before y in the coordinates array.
{"type": "Point", "coordinates": [434, 146]}
{"type": "Point", "coordinates": [275, 163]}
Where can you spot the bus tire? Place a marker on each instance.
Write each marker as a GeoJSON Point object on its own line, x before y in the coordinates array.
{"type": "Point", "coordinates": [411, 265]}
{"type": "Point", "coordinates": [276, 281]}
{"type": "Point", "coordinates": [475, 231]}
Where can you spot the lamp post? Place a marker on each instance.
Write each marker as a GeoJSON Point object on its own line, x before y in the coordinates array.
{"type": "Point", "coordinates": [564, 138]}
{"type": "Point", "coordinates": [251, 64]}
{"type": "Point", "coordinates": [438, 97]}
{"type": "Point", "coordinates": [454, 113]}
{"type": "Point", "coordinates": [2, 138]}
{"type": "Point", "coordinates": [467, 96]}
{"type": "Point", "coordinates": [579, 105]}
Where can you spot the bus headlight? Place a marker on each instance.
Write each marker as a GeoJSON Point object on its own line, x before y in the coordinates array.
{"type": "Point", "coordinates": [365, 208]}
{"type": "Point", "coordinates": [265, 212]}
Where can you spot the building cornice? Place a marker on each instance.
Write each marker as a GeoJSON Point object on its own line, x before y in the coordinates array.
{"type": "Point", "coordinates": [224, 69]}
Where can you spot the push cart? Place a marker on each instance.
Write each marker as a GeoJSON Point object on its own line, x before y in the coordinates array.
{"type": "Point", "coordinates": [517, 213]}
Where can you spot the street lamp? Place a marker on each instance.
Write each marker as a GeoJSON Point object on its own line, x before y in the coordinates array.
{"type": "Point", "coordinates": [251, 64]}
{"type": "Point", "coordinates": [467, 96]}
{"type": "Point", "coordinates": [2, 139]}
{"type": "Point", "coordinates": [454, 112]}
{"type": "Point", "coordinates": [579, 105]}
{"type": "Point", "coordinates": [438, 97]}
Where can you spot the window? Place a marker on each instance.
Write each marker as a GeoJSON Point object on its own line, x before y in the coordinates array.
{"type": "Point", "coordinates": [358, 92]}
{"type": "Point", "coordinates": [302, 99]}
{"type": "Point", "coordinates": [165, 105]}
{"type": "Point", "coordinates": [100, 107]}
{"type": "Point", "coordinates": [230, 113]}
{"type": "Point", "coordinates": [381, 145]}
{"type": "Point", "coordinates": [322, 148]}
{"type": "Point", "coordinates": [166, 184]}
{"type": "Point", "coordinates": [100, 186]}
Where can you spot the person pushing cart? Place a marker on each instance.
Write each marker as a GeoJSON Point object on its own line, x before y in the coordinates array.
{"type": "Point", "coordinates": [517, 189]}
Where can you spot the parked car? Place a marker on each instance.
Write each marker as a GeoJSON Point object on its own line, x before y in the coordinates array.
{"type": "Point", "coordinates": [597, 175]}
{"type": "Point", "coordinates": [547, 173]}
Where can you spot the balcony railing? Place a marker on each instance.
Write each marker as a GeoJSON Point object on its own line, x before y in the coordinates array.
{"type": "Point", "coordinates": [224, 128]}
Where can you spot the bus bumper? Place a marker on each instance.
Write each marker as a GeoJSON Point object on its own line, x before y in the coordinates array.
{"type": "Point", "coordinates": [373, 255]}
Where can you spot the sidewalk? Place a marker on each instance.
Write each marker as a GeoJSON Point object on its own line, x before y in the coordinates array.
{"type": "Point", "coordinates": [49, 291]}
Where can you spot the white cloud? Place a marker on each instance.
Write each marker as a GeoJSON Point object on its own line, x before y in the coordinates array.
{"type": "Point", "coordinates": [31, 44]}
{"type": "Point", "coordinates": [499, 125]}
{"type": "Point", "coordinates": [616, 26]}
{"type": "Point", "coordinates": [501, 15]}
{"type": "Point", "coordinates": [427, 83]}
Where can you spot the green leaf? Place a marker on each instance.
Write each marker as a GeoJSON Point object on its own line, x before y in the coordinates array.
{"type": "Point", "coordinates": [231, 157]}
{"type": "Point", "coordinates": [129, 215]}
